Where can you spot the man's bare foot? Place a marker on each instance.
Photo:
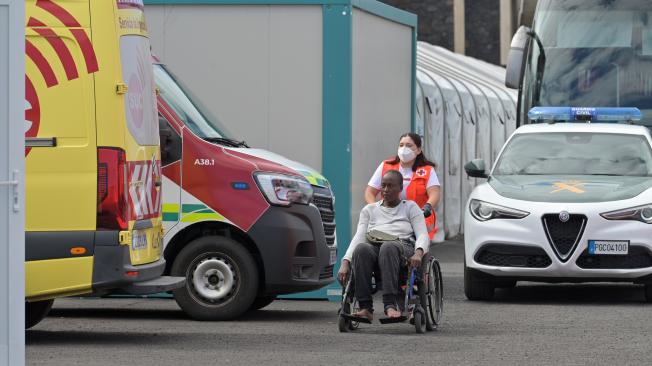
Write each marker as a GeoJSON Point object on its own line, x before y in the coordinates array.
{"type": "Point", "coordinates": [364, 313]}
{"type": "Point", "coordinates": [392, 312]}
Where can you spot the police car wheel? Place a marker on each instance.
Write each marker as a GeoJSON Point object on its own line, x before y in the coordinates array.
{"type": "Point", "coordinates": [221, 278]}
{"type": "Point", "coordinates": [36, 311]}
{"type": "Point", "coordinates": [477, 288]}
{"type": "Point", "coordinates": [648, 292]}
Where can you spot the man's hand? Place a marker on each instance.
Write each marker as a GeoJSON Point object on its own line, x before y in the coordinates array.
{"type": "Point", "coordinates": [427, 210]}
{"type": "Point", "coordinates": [415, 260]}
{"type": "Point", "coordinates": [343, 273]}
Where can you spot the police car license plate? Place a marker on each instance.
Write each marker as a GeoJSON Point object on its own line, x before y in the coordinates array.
{"type": "Point", "coordinates": [333, 256]}
{"type": "Point", "coordinates": [609, 247]}
{"type": "Point", "coordinates": [138, 240]}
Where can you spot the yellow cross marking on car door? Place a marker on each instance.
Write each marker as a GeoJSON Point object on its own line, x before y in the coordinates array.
{"type": "Point", "coordinates": [574, 187]}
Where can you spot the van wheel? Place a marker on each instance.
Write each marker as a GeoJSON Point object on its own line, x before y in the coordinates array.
{"type": "Point", "coordinates": [221, 278]}
{"type": "Point", "coordinates": [261, 302]}
{"type": "Point", "coordinates": [36, 311]}
{"type": "Point", "coordinates": [477, 288]}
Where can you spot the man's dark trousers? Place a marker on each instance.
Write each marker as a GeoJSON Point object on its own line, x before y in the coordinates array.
{"type": "Point", "coordinates": [389, 258]}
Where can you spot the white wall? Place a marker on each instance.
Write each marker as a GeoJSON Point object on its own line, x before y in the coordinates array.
{"type": "Point", "coordinates": [257, 68]}
{"type": "Point", "coordinates": [382, 92]}
{"type": "Point", "coordinates": [12, 236]}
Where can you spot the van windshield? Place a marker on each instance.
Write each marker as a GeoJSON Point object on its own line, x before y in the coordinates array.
{"type": "Point", "coordinates": [196, 118]}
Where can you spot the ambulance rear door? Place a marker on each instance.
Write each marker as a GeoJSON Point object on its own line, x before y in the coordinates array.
{"type": "Point", "coordinates": [60, 152]}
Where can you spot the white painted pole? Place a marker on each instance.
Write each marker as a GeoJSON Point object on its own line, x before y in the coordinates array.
{"type": "Point", "coordinates": [12, 164]}
{"type": "Point", "coordinates": [506, 26]}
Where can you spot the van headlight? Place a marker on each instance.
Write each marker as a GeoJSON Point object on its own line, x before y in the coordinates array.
{"type": "Point", "coordinates": [638, 213]}
{"type": "Point", "coordinates": [283, 190]}
{"type": "Point", "coordinates": [484, 211]}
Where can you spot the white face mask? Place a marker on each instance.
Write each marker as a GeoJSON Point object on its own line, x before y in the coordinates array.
{"type": "Point", "coordinates": [406, 154]}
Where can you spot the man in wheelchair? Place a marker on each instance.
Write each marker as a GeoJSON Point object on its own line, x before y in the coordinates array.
{"type": "Point", "coordinates": [390, 233]}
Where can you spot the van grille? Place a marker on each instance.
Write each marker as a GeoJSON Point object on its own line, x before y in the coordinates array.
{"type": "Point", "coordinates": [327, 272]}
{"type": "Point", "coordinates": [563, 236]}
{"type": "Point", "coordinates": [323, 200]}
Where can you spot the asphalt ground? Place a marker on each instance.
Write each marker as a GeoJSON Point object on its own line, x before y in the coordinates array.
{"type": "Point", "coordinates": [532, 324]}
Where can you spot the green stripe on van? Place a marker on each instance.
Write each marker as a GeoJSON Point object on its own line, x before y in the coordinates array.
{"type": "Point", "coordinates": [193, 208]}
{"type": "Point", "coordinates": [172, 216]}
{"type": "Point", "coordinates": [196, 217]}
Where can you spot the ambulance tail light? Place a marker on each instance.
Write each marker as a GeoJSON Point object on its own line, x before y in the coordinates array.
{"type": "Point", "coordinates": [112, 199]}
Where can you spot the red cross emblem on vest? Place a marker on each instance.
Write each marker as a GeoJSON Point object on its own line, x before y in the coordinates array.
{"type": "Point", "coordinates": [421, 172]}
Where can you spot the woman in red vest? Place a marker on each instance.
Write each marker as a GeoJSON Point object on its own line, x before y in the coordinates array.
{"type": "Point", "coordinates": [420, 182]}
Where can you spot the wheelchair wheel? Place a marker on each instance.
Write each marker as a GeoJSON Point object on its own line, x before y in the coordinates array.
{"type": "Point", "coordinates": [419, 322]}
{"type": "Point", "coordinates": [343, 324]}
{"type": "Point", "coordinates": [434, 296]}
{"type": "Point", "coordinates": [349, 305]}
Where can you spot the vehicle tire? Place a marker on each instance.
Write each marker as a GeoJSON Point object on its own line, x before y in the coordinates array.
{"type": "Point", "coordinates": [419, 322]}
{"type": "Point", "coordinates": [648, 292]}
{"type": "Point", "coordinates": [506, 284]}
{"type": "Point", "coordinates": [36, 311]}
{"type": "Point", "coordinates": [221, 278]}
{"type": "Point", "coordinates": [477, 288]}
{"type": "Point", "coordinates": [261, 302]}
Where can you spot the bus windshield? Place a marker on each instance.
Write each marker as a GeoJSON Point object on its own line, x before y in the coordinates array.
{"type": "Point", "coordinates": [597, 54]}
{"type": "Point", "coordinates": [186, 107]}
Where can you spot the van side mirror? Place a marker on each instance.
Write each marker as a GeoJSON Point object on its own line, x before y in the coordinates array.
{"type": "Point", "coordinates": [516, 59]}
{"type": "Point", "coordinates": [171, 144]}
{"type": "Point", "coordinates": [475, 168]}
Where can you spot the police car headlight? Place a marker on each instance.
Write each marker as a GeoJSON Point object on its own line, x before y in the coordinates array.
{"type": "Point", "coordinates": [638, 213]}
{"type": "Point", "coordinates": [283, 190]}
{"type": "Point", "coordinates": [483, 211]}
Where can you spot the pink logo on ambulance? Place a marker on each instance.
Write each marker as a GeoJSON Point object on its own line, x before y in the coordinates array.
{"type": "Point", "coordinates": [135, 97]}
{"type": "Point", "coordinates": [131, 4]}
{"type": "Point", "coordinates": [32, 111]}
{"type": "Point", "coordinates": [135, 100]}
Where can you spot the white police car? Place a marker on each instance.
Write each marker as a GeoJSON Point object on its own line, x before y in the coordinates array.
{"type": "Point", "coordinates": [564, 202]}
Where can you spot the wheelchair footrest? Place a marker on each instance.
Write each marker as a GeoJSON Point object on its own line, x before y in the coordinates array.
{"type": "Point", "coordinates": [399, 319]}
{"type": "Point", "coordinates": [358, 319]}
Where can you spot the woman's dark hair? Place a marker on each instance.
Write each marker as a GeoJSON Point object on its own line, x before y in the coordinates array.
{"type": "Point", "coordinates": [420, 159]}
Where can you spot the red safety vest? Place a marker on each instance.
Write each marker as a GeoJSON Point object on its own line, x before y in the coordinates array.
{"type": "Point", "coordinates": [416, 191]}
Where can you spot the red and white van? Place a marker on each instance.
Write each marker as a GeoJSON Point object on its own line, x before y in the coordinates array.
{"type": "Point", "coordinates": [242, 225]}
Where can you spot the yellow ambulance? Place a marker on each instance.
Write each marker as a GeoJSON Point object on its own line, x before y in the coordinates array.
{"type": "Point", "coordinates": [93, 172]}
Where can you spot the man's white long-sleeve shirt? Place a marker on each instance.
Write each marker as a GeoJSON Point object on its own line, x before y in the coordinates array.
{"type": "Point", "coordinates": [405, 221]}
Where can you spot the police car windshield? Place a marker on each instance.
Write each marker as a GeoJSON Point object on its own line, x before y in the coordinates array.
{"type": "Point", "coordinates": [598, 53]}
{"type": "Point", "coordinates": [583, 153]}
{"type": "Point", "coordinates": [186, 107]}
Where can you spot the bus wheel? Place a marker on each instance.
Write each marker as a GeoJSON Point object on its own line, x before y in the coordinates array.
{"type": "Point", "coordinates": [36, 311]}
{"type": "Point", "coordinates": [221, 278]}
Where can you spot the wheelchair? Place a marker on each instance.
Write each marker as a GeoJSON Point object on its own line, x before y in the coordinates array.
{"type": "Point", "coordinates": [423, 296]}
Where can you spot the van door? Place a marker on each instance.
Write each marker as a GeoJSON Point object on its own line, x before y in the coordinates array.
{"type": "Point", "coordinates": [171, 150]}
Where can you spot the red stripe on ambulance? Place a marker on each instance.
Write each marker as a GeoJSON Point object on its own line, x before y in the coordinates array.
{"type": "Point", "coordinates": [80, 35]}
{"type": "Point", "coordinates": [41, 63]}
{"type": "Point", "coordinates": [59, 47]}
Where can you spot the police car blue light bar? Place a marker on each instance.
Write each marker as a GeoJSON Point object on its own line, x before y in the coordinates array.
{"type": "Point", "coordinates": [574, 114]}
